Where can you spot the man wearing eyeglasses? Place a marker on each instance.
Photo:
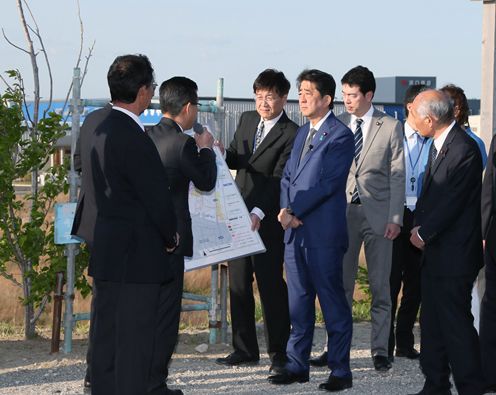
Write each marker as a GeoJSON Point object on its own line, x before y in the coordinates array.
{"type": "Point", "coordinates": [185, 159]}
{"type": "Point", "coordinates": [134, 233]}
{"type": "Point", "coordinates": [260, 148]}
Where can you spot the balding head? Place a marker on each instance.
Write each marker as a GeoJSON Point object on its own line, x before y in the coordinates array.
{"type": "Point", "coordinates": [433, 112]}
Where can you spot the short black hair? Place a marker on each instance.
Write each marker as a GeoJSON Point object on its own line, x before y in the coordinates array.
{"type": "Point", "coordinates": [175, 93]}
{"type": "Point", "coordinates": [324, 83]}
{"type": "Point", "coordinates": [410, 95]}
{"type": "Point", "coordinates": [126, 75]}
{"type": "Point", "coordinates": [361, 77]}
{"type": "Point", "coordinates": [272, 79]}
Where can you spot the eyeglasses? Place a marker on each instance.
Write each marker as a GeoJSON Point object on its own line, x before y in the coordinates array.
{"type": "Point", "coordinates": [154, 85]}
{"type": "Point", "coordinates": [268, 99]}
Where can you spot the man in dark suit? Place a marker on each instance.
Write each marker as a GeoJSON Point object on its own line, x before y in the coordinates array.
{"type": "Point", "coordinates": [488, 308]}
{"type": "Point", "coordinates": [313, 213]}
{"type": "Point", "coordinates": [86, 212]}
{"type": "Point", "coordinates": [134, 230]}
{"type": "Point", "coordinates": [258, 153]}
{"type": "Point", "coordinates": [183, 163]}
{"type": "Point", "coordinates": [448, 229]}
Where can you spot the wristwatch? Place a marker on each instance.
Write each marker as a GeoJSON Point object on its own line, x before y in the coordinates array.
{"type": "Point", "coordinates": [289, 210]}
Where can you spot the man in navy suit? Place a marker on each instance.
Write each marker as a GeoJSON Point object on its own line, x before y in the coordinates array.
{"type": "Point", "coordinates": [313, 214]}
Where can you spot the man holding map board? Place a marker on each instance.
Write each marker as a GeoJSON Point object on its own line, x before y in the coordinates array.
{"type": "Point", "coordinates": [185, 159]}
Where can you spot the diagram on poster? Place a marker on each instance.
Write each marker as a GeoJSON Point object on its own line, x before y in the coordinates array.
{"type": "Point", "coordinates": [221, 222]}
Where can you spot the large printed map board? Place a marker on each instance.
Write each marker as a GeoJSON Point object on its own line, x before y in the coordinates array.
{"type": "Point", "coordinates": [221, 222]}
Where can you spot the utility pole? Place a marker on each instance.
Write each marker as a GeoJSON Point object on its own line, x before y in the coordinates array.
{"type": "Point", "coordinates": [488, 98]}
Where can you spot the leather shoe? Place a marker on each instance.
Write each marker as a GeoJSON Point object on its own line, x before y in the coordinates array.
{"type": "Point", "coordinates": [87, 383]}
{"type": "Point", "coordinates": [381, 363]}
{"type": "Point", "coordinates": [236, 358]}
{"type": "Point", "coordinates": [287, 377]}
{"type": "Point", "coordinates": [320, 360]}
{"type": "Point", "coordinates": [410, 354]}
{"type": "Point", "coordinates": [424, 392]}
{"type": "Point", "coordinates": [169, 391]}
{"type": "Point", "coordinates": [490, 389]}
{"type": "Point", "coordinates": [278, 363]}
{"type": "Point", "coordinates": [336, 384]}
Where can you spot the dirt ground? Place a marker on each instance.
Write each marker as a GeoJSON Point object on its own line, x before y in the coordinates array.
{"type": "Point", "coordinates": [26, 367]}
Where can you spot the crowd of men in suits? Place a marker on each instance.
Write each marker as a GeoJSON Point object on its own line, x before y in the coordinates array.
{"type": "Point", "coordinates": [410, 194]}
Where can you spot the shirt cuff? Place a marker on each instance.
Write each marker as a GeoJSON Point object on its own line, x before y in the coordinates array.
{"type": "Point", "coordinates": [259, 213]}
{"type": "Point", "coordinates": [420, 237]}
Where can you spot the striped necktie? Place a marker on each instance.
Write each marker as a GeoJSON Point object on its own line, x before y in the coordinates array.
{"type": "Point", "coordinates": [358, 139]}
{"type": "Point", "coordinates": [355, 198]}
{"type": "Point", "coordinates": [259, 135]}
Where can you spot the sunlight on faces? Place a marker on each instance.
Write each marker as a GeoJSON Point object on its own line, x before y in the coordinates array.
{"type": "Point", "coordinates": [268, 103]}
{"type": "Point", "coordinates": [312, 104]}
{"type": "Point", "coordinates": [355, 101]}
{"type": "Point", "coordinates": [423, 123]}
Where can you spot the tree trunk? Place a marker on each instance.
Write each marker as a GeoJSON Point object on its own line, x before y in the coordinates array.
{"type": "Point", "coordinates": [29, 325]}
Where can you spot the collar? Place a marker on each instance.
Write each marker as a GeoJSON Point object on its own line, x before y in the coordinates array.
{"type": "Point", "coordinates": [269, 123]}
{"type": "Point", "coordinates": [439, 141]}
{"type": "Point", "coordinates": [319, 124]}
{"type": "Point", "coordinates": [367, 117]}
{"type": "Point", "coordinates": [132, 115]}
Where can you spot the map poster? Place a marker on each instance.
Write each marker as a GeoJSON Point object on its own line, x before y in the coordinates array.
{"type": "Point", "coordinates": [221, 222]}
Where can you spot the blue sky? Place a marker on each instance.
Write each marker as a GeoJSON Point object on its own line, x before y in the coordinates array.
{"type": "Point", "coordinates": [238, 39]}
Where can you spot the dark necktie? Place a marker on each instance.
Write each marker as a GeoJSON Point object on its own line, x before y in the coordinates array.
{"type": "Point", "coordinates": [433, 156]}
{"type": "Point", "coordinates": [259, 135]}
{"type": "Point", "coordinates": [358, 139]}
{"type": "Point", "coordinates": [358, 150]}
{"type": "Point", "coordinates": [308, 143]}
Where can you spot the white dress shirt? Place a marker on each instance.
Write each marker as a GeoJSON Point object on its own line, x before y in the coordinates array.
{"type": "Point", "coordinates": [367, 122]}
{"type": "Point", "coordinates": [132, 115]}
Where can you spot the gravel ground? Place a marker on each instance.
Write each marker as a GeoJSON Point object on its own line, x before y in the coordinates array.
{"type": "Point", "coordinates": [26, 368]}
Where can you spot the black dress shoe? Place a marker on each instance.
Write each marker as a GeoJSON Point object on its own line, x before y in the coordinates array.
{"type": "Point", "coordinates": [278, 363]}
{"type": "Point", "coordinates": [336, 384]}
{"type": "Point", "coordinates": [410, 354]}
{"type": "Point", "coordinates": [287, 377]}
{"type": "Point", "coordinates": [381, 363]}
{"type": "Point", "coordinates": [236, 358]}
{"type": "Point", "coordinates": [169, 391]}
{"type": "Point", "coordinates": [319, 361]}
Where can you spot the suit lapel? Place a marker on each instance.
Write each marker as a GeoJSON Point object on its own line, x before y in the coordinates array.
{"type": "Point", "coordinates": [320, 138]}
{"type": "Point", "coordinates": [440, 157]}
{"type": "Point", "coordinates": [274, 133]}
{"type": "Point", "coordinates": [376, 124]}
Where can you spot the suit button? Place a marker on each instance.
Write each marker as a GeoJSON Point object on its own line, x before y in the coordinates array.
{"type": "Point", "coordinates": [351, 193]}
{"type": "Point", "coordinates": [356, 175]}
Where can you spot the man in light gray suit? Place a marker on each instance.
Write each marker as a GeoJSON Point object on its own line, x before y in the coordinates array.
{"type": "Point", "coordinates": [376, 194]}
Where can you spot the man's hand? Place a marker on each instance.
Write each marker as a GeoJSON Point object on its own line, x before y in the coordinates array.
{"type": "Point", "coordinates": [284, 218]}
{"type": "Point", "coordinates": [415, 239]}
{"type": "Point", "coordinates": [255, 222]}
{"type": "Point", "coordinates": [171, 249]}
{"type": "Point", "coordinates": [392, 231]}
{"type": "Point", "coordinates": [295, 222]}
{"type": "Point", "coordinates": [204, 140]}
{"type": "Point", "coordinates": [219, 144]}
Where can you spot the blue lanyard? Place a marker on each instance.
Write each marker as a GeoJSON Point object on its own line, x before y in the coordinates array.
{"type": "Point", "coordinates": [413, 165]}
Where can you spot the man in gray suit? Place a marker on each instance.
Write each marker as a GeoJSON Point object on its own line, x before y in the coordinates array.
{"type": "Point", "coordinates": [376, 194]}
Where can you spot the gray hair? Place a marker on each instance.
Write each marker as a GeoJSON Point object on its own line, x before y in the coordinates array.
{"type": "Point", "coordinates": [439, 107]}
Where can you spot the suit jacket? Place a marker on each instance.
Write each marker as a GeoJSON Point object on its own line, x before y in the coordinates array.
{"type": "Point", "coordinates": [448, 209]}
{"type": "Point", "coordinates": [136, 220]}
{"type": "Point", "coordinates": [85, 217]}
{"type": "Point", "coordinates": [259, 174]}
{"type": "Point", "coordinates": [380, 173]}
{"type": "Point", "coordinates": [488, 201]}
{"type": "Point", "coordinates": [183, 163]}
{"type": "Point", "coordinates": [315, 187]}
